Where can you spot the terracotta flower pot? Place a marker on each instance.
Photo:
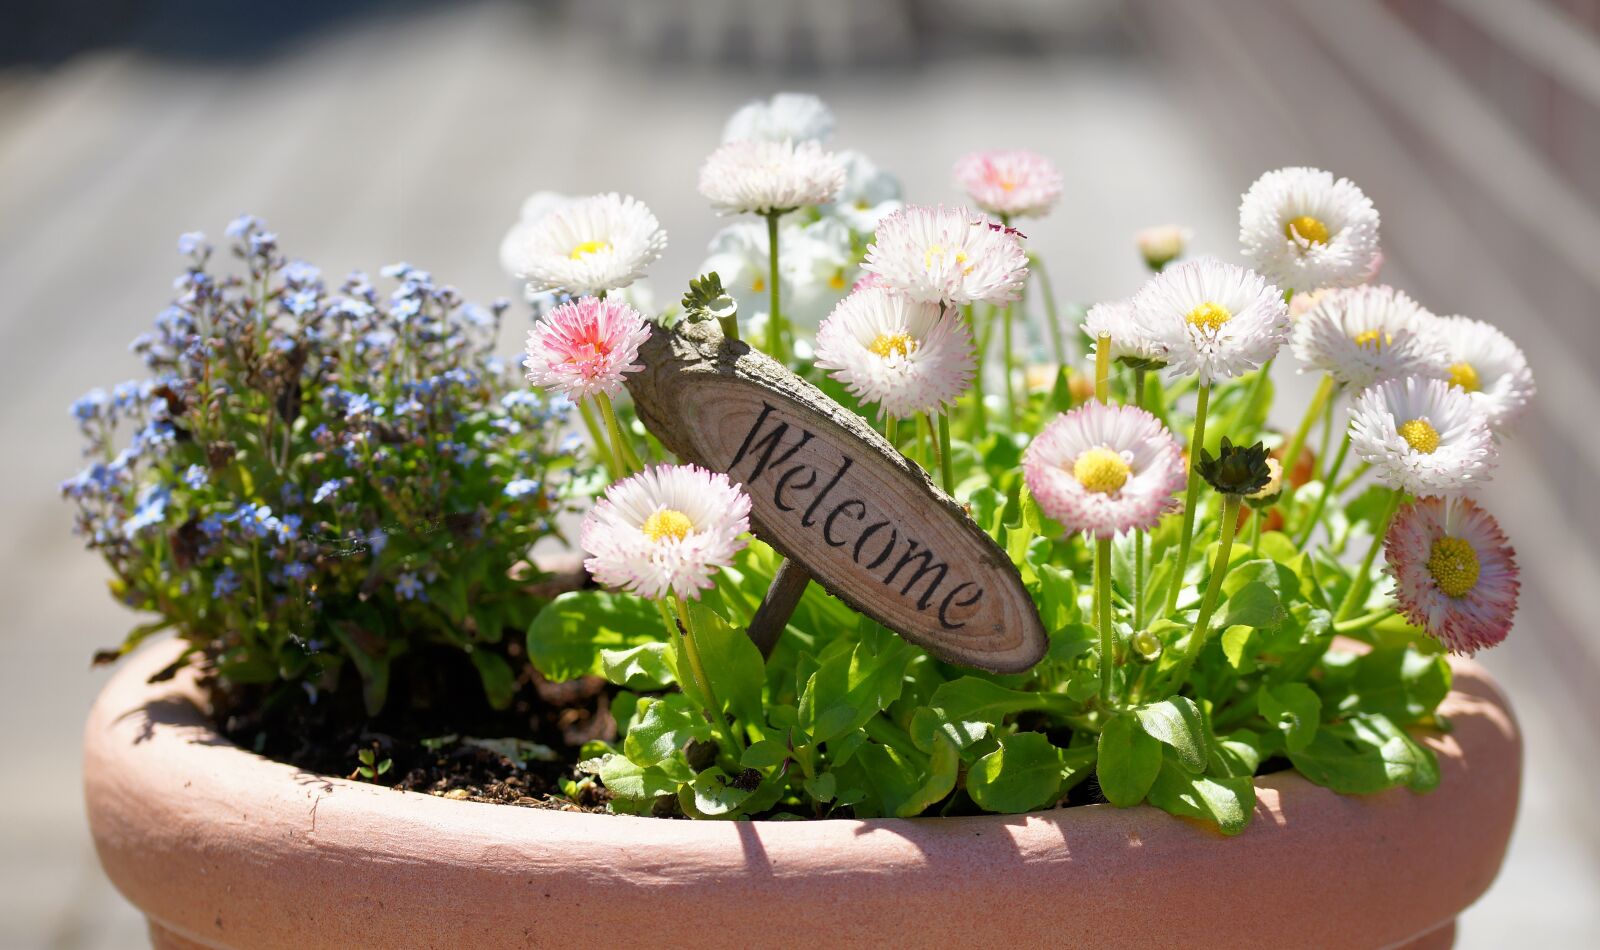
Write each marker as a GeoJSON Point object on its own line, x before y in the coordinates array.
{"type": "Point", "coordinates": [222, 848]}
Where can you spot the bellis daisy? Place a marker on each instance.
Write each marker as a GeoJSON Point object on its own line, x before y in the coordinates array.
{"type": "Point", "coordinates": [1488, 366]}
{"type": "Point", "coordinates": [1423, 436]}
{"type": "Point", "coordinates": [907, 357]}
{"type": "Point", "coordinates": [1104, 469]}
{"type": "Point", "coordinates": [1213, 319]}
{"type": "Point", "coordinates": [584, 347]}
{"type": "Point", "coordinates": [593, 245]}
{"type": "Point", "coordinates": [1455, 575]}
{"type": "Point", "coordinates": [534, 207]}
{"type": "Point", "coordinates": [665, 530]}
{"type": "Point", "coordinates": [760, 177]}
{"type": "Point", "coordinates": [1363, 335]}
{"type": "Point", "coordinates": [948, 255]}
{"type": "Point", "coordinates": [1163, 244]}
{"type": "Point", "coordinates": [1129, 339]}
{"type": "Point", "coordinates": [796, 116]}
{"type": "Point", "coordinates": [869, 194]}
{"type": "Point", "coordinates": [1011, 182]}
{"type": "Point", "coordinates": [1303, 229]}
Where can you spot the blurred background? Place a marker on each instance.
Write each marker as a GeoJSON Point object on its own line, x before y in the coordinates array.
{"type": "Point", "coordinates": [370, 132]}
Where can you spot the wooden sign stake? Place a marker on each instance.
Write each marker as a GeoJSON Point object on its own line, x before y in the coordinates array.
{"type": "Point", "coordinates": [831, 495]}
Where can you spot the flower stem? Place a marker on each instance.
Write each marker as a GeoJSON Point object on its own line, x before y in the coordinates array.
{"type": "Point", "coordinates": [621, 448]}
{"type": "Point", "coordinates": [1008, 315]}
{"type": "Point", "coordinates": [775, 317]}
{"type": "Point", "coordinates": [602, 447]}
{"type": "Point", "coordinates": [1108, 636]}
{"type": "Point", "coordinates": [1138, 536]}
{"type": "Point", "coordinates": [1310, 524]}
{"type": "Point", "coordinates": [946, 463]}
{"type": "Point", "coordinates": [1291, 452]}
{"type": "Point", "coordinates": [730, 326]}
{"type": "Point", "coordinates": [1186, 538]}
{"type": "Point", "coordinates": [1102, 368]}
{"type": "Point", "coordinates": [1052, 318]}
{"type": "Point", "coordinates": [691, 647]}
{"type": "Point", "coordinates": [1208, 603]}
{"type": "Point", "coordinates": [891, 429]}
{"type": "Point", "coordinates": [1357, 594]}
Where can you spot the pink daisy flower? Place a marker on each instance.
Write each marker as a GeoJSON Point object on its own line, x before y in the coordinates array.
{"type": "Point", "coordinates": [1012, 182]}
{"type": "Point", "coordinates": [907, 357]}
{"type": "Point", "coordinates": [1455, 575]}
{"type": "Point", "coordinates": [1104, 469]}
{"type": "Point", "coordinates": [665, 530]}
{"type": "Point", "coordinates": [947, 255]}
{"type": "Point", "coordinates": [585, 347]}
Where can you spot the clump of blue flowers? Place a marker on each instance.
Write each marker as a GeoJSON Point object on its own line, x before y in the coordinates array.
{"type": "Point", "coordinates": [318, 478]}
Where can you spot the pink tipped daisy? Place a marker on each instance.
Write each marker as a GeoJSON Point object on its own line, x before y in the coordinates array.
{"type": "Point", "coordinates": [1364, 335]}
{"type": "Point", "coordinates": [1455, 575]}
{"type": "Point", "coordinates": [907, 357]}
{"type": "Point", "coordinates": [1422, 436]}
{"type": "Point", "coordinates": [752, 176]}
{"type": "Point", "coordinates": [948, 255]}
{"type": "Point", "coordinates": [665, 530]}
{"type": "Point", "coordinates": [1014, 182]}
{"type": "Point", "coordinates": [1104, 469]}
{"type": "Point", "coordinates": [585, 347]}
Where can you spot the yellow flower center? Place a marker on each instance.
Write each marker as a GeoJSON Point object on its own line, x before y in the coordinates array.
{"type": "Point", "coordinates": [1374, 339]}
{"type": "Point", "coordinates": [1454, 566]}
{"type": "Point", "coordinates": [1209, 316]}
{"type": "Point", "coordinates": [1420, 435]}
{"type": "Point", "coordinates": [939, 252]}
{"type": "Point", "coordinates": [837, 280]}
{"type": "Point", "coordinates": [1101, 470]}
{"type": "Point", "coordinates": [758, 285]}
{"type": "Point", "coordinates": [668, 522]}
{"type": "Point", "coordinates": [1306, 228]}
{"type": "Point", "coordinates": [897, 343]}
{"type": "Point", "coordinates": [590, 247]}
{"type": "Point", "coordinates": [1464, 375]}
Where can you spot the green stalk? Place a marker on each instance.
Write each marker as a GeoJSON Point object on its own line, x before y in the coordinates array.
{"type": "Point", "coordinates": [1208, 603]}
{"type": "Point", "coordinates": [1357, 594]}
{"type": "Point", "coordinates": [1186, 539]}
{"type": "Point", "coordinates": [1052, 318]}
{"type": "Point", "coordinates": [891, 430]}
{"type": "Point", "coordinates": [602, 447]}
{"type": "Point", "coordinates": [774, 318]}
{"type": "Point", "coordinates": [1291, 452]}
{"type": "Point", "coordinates": [1108, 637]}
{"type": "Point", "coordinates": [691, 648]}
{"type": "Point", "coordinates": [1008, 315]}
{"type": "Point", "coordinates": [946, 463]}
{"type": "Point", "coordinates": [1102, 368]}
{"type": "Point", "coordinates": [1310, 524]}
{"type": "Point", "coordinates": [621, 448]}
{"type": "Point", "coordinates": [1138, 536]}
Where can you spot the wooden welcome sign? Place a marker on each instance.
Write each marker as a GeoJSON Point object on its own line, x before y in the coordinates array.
{"type": "Point", "coordinates": [834, 497]}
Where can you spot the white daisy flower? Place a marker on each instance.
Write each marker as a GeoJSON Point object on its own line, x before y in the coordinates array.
{"type": "Point", "coordinates": [534, 207]}
{"type": "Point", "coordinates": [869, 194]}
{"type": "Point", "coordinates": [1455, 575]}
{"type": "Point", "coordinates": [1162, 244]}
{"type": "Point", "coordinates": [796, 116]}
{"type": "Point", "coordinates": [948, 255]}
{"type": "Point", "coordinates": [1484, 362]}
{"type": "Point", "coordinates": [1423, 436]}
{"type": "Point", "coordinates": [1364, 335]}
{"type": "Point", "coordinates": [753, 176]}
{"type": "Point", "coordinates": [815, 269]}
{"type": "Point", "coordinates": [666, 529]}
{"type": "Point", "coordinates": [1104, 469]}
{"type": "Point", "coordinates": [592, 245]}
{"type": "Point", "coordinates": [1129, 339]}
{"type": "Point", "coordinates": [905, 356]}
{"type": "Point", "coordinates": [1305, 230]}
{"type": "Point", "coordinates": [1214, 320]}
{"type": "Point", "coordinates": [1012, 182]}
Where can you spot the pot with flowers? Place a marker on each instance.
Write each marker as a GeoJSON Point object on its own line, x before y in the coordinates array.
{"type": "Point", "coordinates": [944, 618]}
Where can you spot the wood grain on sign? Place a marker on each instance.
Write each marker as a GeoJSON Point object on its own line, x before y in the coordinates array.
{"type": "Point", "coordinates": [831, 494]}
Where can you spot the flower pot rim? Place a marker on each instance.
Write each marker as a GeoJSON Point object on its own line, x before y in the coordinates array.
{"type": "Point", "coordinates": [227, 848]}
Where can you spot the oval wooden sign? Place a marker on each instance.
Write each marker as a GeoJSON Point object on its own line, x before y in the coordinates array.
{"type": "Point", "coordinates": [832, 495]}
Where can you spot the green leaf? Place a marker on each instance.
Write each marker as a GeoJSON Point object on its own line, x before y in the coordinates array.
{"type": "Point", "coordinates": [644, 667]}
{"type": "Point", "coordinates": [823, 787]}
{"type": "Point", "coordinates": [1294, 709]}
{"type": "Point", "coordinates": [928, 725]}
{"type": "Point", "coordinates": [567, 637]}
{"type": "Point", "coordinates": [1254, 605]}
{"type": "Point", "coordinates": [1238, 755]}
{"type": "Point", "coordinates": [1128, 761]}
{"type": "Point", "coordinates": [853, 684]}
{"type": "Point", "coordinates": [732, 662]}
{"type": "Point", "coordinates": [972, 699]}
{"type": "Point", "coordinates": [1177, 723]}
{"type": "Point", "coordinates": [883, 776]}
{"type": "Point", "coordinates": [626, 779]}
{"type": "Point", "coordinates": [1366, 753]}
{"type": "Point", "coordinates": [1235, 642]}
{"type": "Point", "coordinates": [766, 754]}
{"type": "Point", "coordinates": [712, 795]}
{"type": "Point", "coordinates": [1226, 801]}
{"type": "Point", "coordinates": [499, 682]}
{"type": "Point", "coordinates": [943, 766]}
{"type": "Point", "coordinates": [663, 728]}
{"type": "Point", "coordinates": [1023, 774]}
{"type": "Point", "coordinates": [1397, 682]}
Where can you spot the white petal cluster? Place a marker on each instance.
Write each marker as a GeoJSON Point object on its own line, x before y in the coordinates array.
{"type": "Point", "coordinates": [756, 176]}
{"type": "Point", "coordinates": [1364, 335]}
{"type": "Point", "coordinates": [869, 195]}
{"type": "Point", "coordinates": [1104, 469]}
{"type": "Point", "coordinates": [665, 530]}
{"type": "Point", "coordinates": [948, 255]}
{"type": "Point", "coordinates": [816, 268]}
{"type": "Point", "coordinates": [795, 116]}
{"type": "Point", "coordinates": [1423, 436]}
{"type": "Point", "coordinates": [585, 246]}
{"type": "Point", "coordinates": [1303, 230]}
{"type": "Point", "coordinates": [906, 357]}
{"type": "Point", "coordinates": [1488, 365]}
{"type": "Point", "coordinates": [1213, 320]}
{"type": "Point", "coordinates": [1129, 339]}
